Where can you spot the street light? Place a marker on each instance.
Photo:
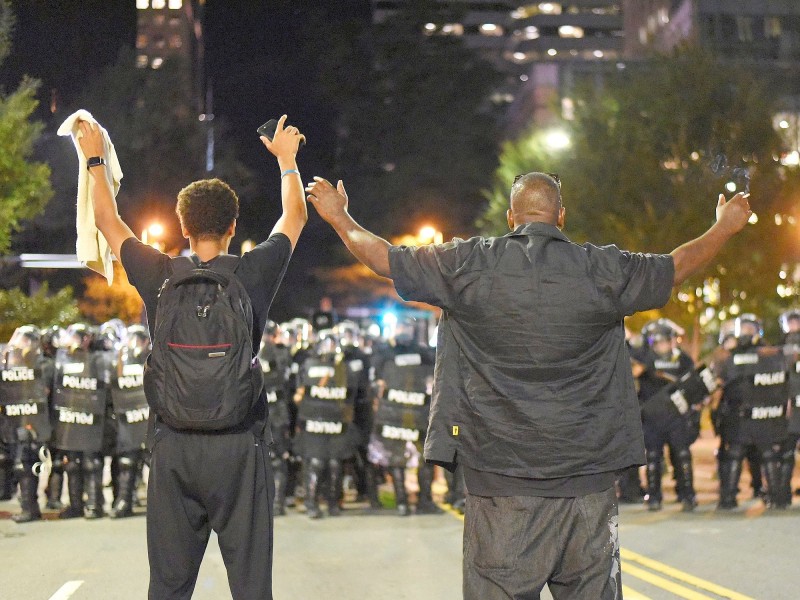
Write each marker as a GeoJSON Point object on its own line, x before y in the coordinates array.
{"type": "Point", "coordinates": [429, 234]}
{"type": "Point", "coordinates": [151, 234]}
{"type": "Point", "coordinates": [557, 139]}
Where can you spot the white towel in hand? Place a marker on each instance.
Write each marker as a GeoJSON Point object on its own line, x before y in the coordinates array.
{"type": "Point", "coordinates": [91, 247]}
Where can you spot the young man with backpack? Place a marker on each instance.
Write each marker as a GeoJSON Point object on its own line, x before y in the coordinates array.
{"type": "Point", "coordinates": [210, 465]}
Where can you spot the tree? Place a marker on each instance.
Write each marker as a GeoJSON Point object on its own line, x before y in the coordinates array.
{"type": "Point", "coordinates": [159, 140]}
{"type": "Point", "coordinates": [24, 184]}
{"type": "Point", "coordinates": [649, 154]}
{"type": "Point", "coordinates": [41, 309]}
{"type": "Point", "coordinates": [415, 122]}
{"type": "Point", "coordinates": [101, 302]}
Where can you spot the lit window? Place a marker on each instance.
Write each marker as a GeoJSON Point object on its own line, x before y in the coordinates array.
{"type": "Point", "coordinates": [159, 4]}
{"type": "Point", "coordinates": [744, 28]}
{"type": "Point", "coordinates": [772, 27]}
{"type": "Point", "coordinates": [531, 32]}
{"type": "Point", "coordinates": [142, 4]}
{"type": "Point", "coordinates": [175, 4]}
{"type": "Point", "coordinates": [552, 52]}
{"type": "Point", "coordinates": [175, 41]}
{"type": "Point", "coordinates": [568, 31]}
{"type": "Point", "coordinates": [491, 29]}
{"type": "Point", "coordinates": [141, 61]}
{"type": "Point", "coordinates": [159, 20]}
{"type": "Point", "coordinates": [642, 35]}
{"type": "Point", "coordinates": [550, 8]}
{"type": "Point", "coordinates": [141, 40]}
{"type": "Point", "coordinates": [157, 62]}
{"type": "Point", "coordinates": [453, 29]}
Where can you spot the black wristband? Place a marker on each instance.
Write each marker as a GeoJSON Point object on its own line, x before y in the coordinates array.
{"type": "Point", "coordinates": [95, 161]}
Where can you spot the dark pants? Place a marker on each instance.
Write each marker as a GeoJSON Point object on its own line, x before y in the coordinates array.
{"type": "Point", "coordinates": [514, 546]}
{"type": "Point", "coordinates": [199, 483]}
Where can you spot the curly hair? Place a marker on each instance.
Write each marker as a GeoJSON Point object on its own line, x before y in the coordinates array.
{"type": "Point", "coordinates": [207, 208]}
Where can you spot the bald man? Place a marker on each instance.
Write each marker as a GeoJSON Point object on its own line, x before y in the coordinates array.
{"type": "Point", "coordinates": [533, 393]}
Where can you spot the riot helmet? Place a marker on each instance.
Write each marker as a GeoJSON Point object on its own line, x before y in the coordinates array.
{"type": "Point", "coordinates": [327, 344]}
{"type": "Point", "coordinates": [748, 330]}
{"type": "Point", "coordinates": [51, 340]}
{"type": "Point", "coordinates": [137, 340]}
{"type": "Point", "coordinates": [23, 347]}
{"type": "Point", "coordinates": [404, 332]}
{"type": "Point", "coordinates": [661, 335]}
{"type": "Point", "coordinates": [727, 338]}
{"type": "Point", "coordinates": [348, 333]}
{"type": "Point", "coordinates": [110, 335]}
{"type": "Point", "coordinates": [77, 336]}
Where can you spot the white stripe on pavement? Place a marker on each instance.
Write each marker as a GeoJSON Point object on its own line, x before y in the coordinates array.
{"type": "Point", "coordinates": [66, 590]}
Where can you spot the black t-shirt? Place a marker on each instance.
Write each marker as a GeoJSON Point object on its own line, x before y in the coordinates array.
{"type": "Point", "coordinates": [260, 272]}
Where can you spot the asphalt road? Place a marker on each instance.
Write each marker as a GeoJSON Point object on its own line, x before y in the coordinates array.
{"type": "Point", "coordinates": [746, 553]}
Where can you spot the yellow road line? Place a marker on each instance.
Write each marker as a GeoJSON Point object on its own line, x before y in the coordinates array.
{"type": "Point", "coordinates": [629, 555]}
{"type": "Point", "coordinates": [681, 576]}
{"type": "Point", "coordinates": [666, 584]}
{"type": "Point", "coordinates": [630, 594]}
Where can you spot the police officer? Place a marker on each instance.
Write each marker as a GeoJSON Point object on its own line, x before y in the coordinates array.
{"type": "Point", "coordinates": [790, 326]}
{"type": "Point", "coordinates": [275, 361]}
{"type": "Point", "coordinates": [754, 400]}
{"type": "Point", "coordinates": [50, 342]}
{"type": "Point", "coordinates": [327, 436]}
{"type": "Point", "coordinates": [130, 413]}
{"type": "Point", "coordinates": [358, 363]}
{"type": "Point", "coordinates": [26, 377]}
{"type": "Point", "coordinates": [82, 375]}
{"type": "Point", "coordinates": [665, 421]}
{"type": "Point", "coordinates": [404, 373]}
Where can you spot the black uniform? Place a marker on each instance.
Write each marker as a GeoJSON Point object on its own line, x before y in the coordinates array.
{"type": "Point", "coordinates": [79, 401]}
{"type": "Point", "coordinates": [401, 419]}
{"type": "Point", "coordinates": [276, 364]}
{"type": "Point", "coordinates": [131, 415]}
{"type": "Point", "coordinates": [753, 411]}
{"type": "Point", "coordinates": [203, 481]}
{"type": "Point", "coordinates": [25, 384]}
{"type": "Point", "coordinates": [665, 420]}
{"type": "Point", "coordinates": [326, 433]}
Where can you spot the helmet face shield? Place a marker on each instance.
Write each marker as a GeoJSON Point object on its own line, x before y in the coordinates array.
{"type": "Point", "coordinates": [790, 321]}
{"type": "Point", "coordinates": [748, 329]}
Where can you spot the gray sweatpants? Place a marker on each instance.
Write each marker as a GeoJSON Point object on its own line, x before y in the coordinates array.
{"type": "Point", "coordinates": [515, 545]}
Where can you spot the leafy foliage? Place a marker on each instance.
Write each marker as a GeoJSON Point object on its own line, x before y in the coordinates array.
{"type": "Point", "coordinates": [24, 184]}
{"type": "Point", "coordinates": [101, 302]}
{"type": "Point", "coordinates": [645, 167]}
{"type": "Point", "coordinates": [41, 309]}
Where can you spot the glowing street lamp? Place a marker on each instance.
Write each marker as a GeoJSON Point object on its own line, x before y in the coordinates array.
{"type": "Point", "coordinates": [428, 234]}
{"type": "Point", "coordinates": [557, 139]}
{"type": "Point", "coordinates": [151, 234]}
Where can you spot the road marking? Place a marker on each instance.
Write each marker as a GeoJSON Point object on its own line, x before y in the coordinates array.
{"type": "Point", "coordinates": [630, 556]}
{"type": "Point", "coordinates": [631, 594]}
{"type": "Point", "coordinates": [66, 590]}
{"type": "Point", "coordinates": [665, 584]}
{"type": "Point", "coordinates": [681, 576]}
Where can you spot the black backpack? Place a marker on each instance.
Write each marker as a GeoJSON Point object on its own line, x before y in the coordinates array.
{"type": "Point", "coordinates": [201, 373]}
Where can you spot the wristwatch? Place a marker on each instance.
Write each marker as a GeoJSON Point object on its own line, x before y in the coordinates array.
{"type": "Point", "coordinates": [95, 161]}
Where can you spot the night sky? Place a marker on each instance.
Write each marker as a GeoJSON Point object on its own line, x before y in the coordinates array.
{"type": "Point", "coordinates": [255, 76]}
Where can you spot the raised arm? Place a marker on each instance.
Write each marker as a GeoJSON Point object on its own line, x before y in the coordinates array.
{"type": "Point", "coordinates": [692, 256]}
{"type": "Point", "coordinates": [106, 217]}
{"type": "Point", "coordinates": [284, 146]}
{"type": "Point", "coordinates": [331, 204]}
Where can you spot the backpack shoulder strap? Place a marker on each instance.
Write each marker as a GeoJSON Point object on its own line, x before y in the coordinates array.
{"type": "Point", "coordinates": [182, 264]}
{"type": "Point", "coordinates": [226, 262]}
